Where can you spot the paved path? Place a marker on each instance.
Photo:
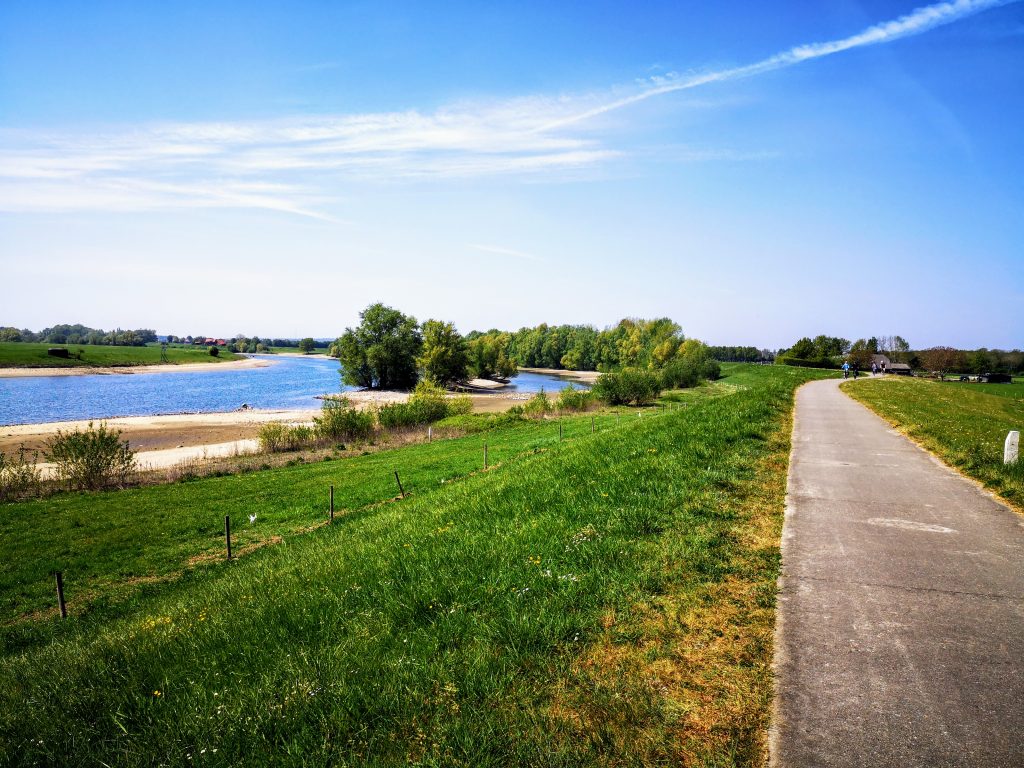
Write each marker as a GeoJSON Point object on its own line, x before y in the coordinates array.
{"type": "Point", "coordinates": [900, 638]}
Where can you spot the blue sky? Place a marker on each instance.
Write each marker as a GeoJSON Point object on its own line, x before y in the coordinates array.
{"type": "Point", "coordinates": [756, 171]}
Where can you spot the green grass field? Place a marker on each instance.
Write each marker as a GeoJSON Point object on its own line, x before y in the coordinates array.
{"type": "Point", "coordinates": [32, 355]}
{"type": "Point", "coordinates": [606, 600]}
{"type": "Point", "coordinates": [964, 424]}
{"type": "Point", "coordinates": [1013, 391]}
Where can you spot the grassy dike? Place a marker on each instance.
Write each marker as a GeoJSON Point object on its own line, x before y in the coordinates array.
{"type": "Point", "coordinates": [964, 424]}
{"type": "Point", "coordinates": [606, 601]}
{"type": "Point", "coordinates": [33, 355]}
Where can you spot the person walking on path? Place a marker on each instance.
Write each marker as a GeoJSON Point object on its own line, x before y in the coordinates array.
{"type": "Point", "coordinates": [846, 370]}
{"type": "Point", "coordinates": [874, 368]}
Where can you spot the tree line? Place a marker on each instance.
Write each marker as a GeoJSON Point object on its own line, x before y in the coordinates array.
{"type": "Point", "coordinates": [391, 350]}
{"type": "Point", "coordinates": [80, 334]}
{"type": "Point", "coordinates": [830, 351]}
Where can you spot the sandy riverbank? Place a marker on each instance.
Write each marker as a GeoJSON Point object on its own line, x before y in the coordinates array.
{"type": "Point", "coordinates": [152, 433]}
{"type": "Point", "coordinates": [162, 441]}
{"type": "Point", "coordinates": [230, 365]}
{"type": "Point", "coordinates": [584, 377]}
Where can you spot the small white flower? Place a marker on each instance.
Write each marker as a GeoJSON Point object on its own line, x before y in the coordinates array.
{"type": "Point", "coordinates": [252, 519]}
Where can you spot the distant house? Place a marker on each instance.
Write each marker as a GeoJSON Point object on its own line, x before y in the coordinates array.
{"type": "Point", "coordinates": [221, 343]}
{"type": "Point", "coordinates": [883, 361]}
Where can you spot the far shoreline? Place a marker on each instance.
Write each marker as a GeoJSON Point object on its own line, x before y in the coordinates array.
{"type": "Point", "coordinates": [121, 370]}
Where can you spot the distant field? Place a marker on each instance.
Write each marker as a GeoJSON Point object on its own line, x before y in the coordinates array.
{"type": "Point", "coordinates": [964, 424]}
{"type": "Point", "coordinates": [32, 355]}
{"type": "Point", "coordinates": [606, 600]}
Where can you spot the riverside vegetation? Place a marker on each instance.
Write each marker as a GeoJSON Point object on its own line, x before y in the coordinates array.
{"type": "Point", "coordinates": [604, 599]}
{"type": "Point", "coordinates": [964, 424]}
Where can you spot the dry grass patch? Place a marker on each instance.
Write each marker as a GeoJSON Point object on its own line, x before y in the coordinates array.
{"type": "Point", "coordinates": [685, 677]}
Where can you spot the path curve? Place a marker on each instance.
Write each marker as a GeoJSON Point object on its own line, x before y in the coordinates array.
{"type": "Point", "coordinates": [900, 631]}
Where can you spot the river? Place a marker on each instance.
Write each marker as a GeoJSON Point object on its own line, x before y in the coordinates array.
{"type": "Point", "coordinates": [288, 382]}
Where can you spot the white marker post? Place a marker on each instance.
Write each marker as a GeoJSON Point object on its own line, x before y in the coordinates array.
{"type": "Point", "coordinates": [1011, 448]}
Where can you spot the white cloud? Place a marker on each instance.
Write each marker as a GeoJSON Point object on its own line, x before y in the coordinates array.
{"type": "Point", "coordinates": [914, 23]}
{"type": "Point", "coordinates": [282, 165]}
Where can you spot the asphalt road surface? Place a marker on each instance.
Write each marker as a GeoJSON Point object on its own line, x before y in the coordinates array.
{"type": "Point", "coordinates": [900, 635]}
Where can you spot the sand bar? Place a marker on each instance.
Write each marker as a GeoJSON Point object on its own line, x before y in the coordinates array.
{"type": "Point", "coordinates": [584, 377]}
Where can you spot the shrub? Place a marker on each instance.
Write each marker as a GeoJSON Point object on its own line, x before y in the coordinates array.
{"type": "Point", "coordinates": [682, 374]}
{"type": "Point", "coordinates": [625, 387]}
{"type": "Point", "coordinates": [92, 458]}
{"type": "Point", "coordinates": [340, 421]}
{"type": "Point", "coordinates": [804, 362]}
{"type": "Point", "coordinates": [273, 437]}
{"type": "Point", "coordinates": [301, 436]}
{"type": "Point", "coordinates": [460, 405]}
{"type": "Point", "coordinates": [538, 405]}
{"type": "Point", "coordinates": [20, 477]}
{"type": "Point", "coordinates": [214, 351]}
{"type": "Point", "coordinates": [427, 404]}
{"type": "Point", "coordinates": [572, 399]}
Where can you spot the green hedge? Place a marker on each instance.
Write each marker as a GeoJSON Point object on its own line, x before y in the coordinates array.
{"type": "Point", "coordinates": [801, 362]}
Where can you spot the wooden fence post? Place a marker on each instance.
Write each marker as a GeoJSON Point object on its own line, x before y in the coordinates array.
{"type": "Point", "coordinates": [227, 533]}
{"type": "Point", "coordinates": [401, 490]}
{"type": "Point", "coordinates": [60, 595]}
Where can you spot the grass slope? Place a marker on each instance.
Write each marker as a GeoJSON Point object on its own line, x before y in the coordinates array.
{"type": "Point", "coordinates": [964, 424]}
{"type": "Point", "coordinates": [108, 545]}
{"type": "Point", "coordinates": [33, 355]}
{"type": "Point", "coordinates": [608, 601]}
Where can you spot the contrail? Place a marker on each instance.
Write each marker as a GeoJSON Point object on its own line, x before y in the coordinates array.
{"type": "Point", "coordinates": [914, 23]}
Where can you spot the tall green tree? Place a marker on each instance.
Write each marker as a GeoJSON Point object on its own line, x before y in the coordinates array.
{"type": "Point", "coordinates": [306, 345]}
{"type": "Point", "coordinates": [444, 358]}
{"type": "Point", "coordinates": [381, 352]}
{"type": "Point", "coordinates": [861, 352]}
{"type": "Point", "coordinates": [487, 356]}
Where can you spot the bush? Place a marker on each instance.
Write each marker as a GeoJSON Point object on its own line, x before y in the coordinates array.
{"type": "Point", "coordinates": [214, 351]}
{"type": "Point", "coordinates": [682, 374]}
{"type": "Point", "coordinates": [572, 399]}
{"type": "Point", "coordinates": [92, 458]}
{"type": "Point", "coordinates": [538, 405]}
{"type": "Point", "coordinates": [20, 478]}
{"type": "Point", "coordinates": [460, 405]}
{"type": "Point", "coordinates": [626, 387]}
{"type": "Point", "coordinates": [340, 421]}
{"type": "Point", "coordinates": [427, 404]}
{"type": "Point", "coordinates": [273, 437]}
{"type": "Point", "coordinates": [805, 363]}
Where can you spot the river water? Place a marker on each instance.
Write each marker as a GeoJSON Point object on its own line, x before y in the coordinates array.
{"type": "Point", "coordinates": [288, 382]}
